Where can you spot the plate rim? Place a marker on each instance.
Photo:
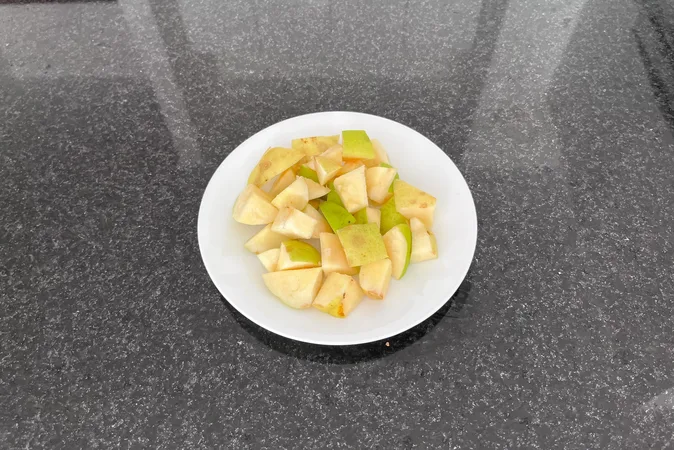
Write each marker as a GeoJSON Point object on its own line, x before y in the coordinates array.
{"type": "Point", "coordinates": [381, 335]}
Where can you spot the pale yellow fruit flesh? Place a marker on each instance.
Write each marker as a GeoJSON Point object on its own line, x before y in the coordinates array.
{"type": "Point", "coordinates": [331, 306]}
{"type": "Point", "coordinates": [322, 226]}
{"type": "Point", "coordinates": [339, 295]}
{"type": "Point", "coordinates": [314, 145]}
{"type": "Point", "coordinates": [269, 259]}
{"type": "Point", "coordinates": [424, 246]}
{"type": "Point", "coordinates": [378, 181]}
{"type": "Point", "coordinates": [264, 240]}
{"type": "Point", "coordinates": [375, 278]}
{"type": "Point", "coordinates": [359, 177]}
{"type": "Point", "coordinates": [373, 216]}
{"type": "Point", "coordinates": [296, 195]}
{"type": "Point", "coordinates": [380, 155]}
{"type": "Point", "coordinates": [295, 288]}
{"type": "Point", "coordinates": [297, 255]}
{"type": "Point", "coordinates": [413, 202]}
{"type": "Point", "coordinates": [333, 258]}
{"type": "Point", "coordinates": [353, 297]}
{"type": "Point", "coordinates": [326, 169]}
{"type": "Point", "coordinates": [294, 224]}
{"type": "Point", "coordinates": [362, 244]}
{"type": "Point", "coordinates": [350, 166]}
{"type": "Point", "coordinates": [283, 181]}
{"type": "Point", "coordinates": [253, 207]}
{"type": "Point", "coordinates": [273, 162]}
{"type": "Point", "coordinates": [315, 189]}
{"type": "Point", "coordinates": [334, 153]}
{"type": "Point", "coordinates": [352, 189]}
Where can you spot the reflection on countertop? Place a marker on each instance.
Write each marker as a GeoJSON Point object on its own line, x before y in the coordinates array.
{"type": "Point", "coordinates": [115, 114]}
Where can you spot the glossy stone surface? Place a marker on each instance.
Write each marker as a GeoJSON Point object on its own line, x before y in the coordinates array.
{"type": "Point", "coordinates": [115, 114]}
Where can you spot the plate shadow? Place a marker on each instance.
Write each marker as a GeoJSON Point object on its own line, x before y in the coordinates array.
{"type": "Point", "coordinates": [351, 354]}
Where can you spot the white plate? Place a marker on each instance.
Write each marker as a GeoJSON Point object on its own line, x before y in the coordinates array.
{"type": "Point", "coordinates": [427, 286]}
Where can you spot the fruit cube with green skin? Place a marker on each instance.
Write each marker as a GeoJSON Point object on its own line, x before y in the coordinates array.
{"type": "Point", "coordinates": [254, 207]}
{"type": "Point", "coordinates": [264, 240]}
{"type": "Point", "coordinates": [388, 166]}
{"type": "Point", "coordinates": [273, 162]}
{"type": "Point", "coordinates": [297, 255]}
{"type": "Point", "coordinates": [269, 259]}
{"type": "Point", "coordinates": [337, 216]}
{"type": "Point", "coordinates": [283, 181]}
{"type": "Point", "coordinates": [413, 202]}
{"type": "Point", "coordinates": [375, 278]}
{"type": "Point", "coordinates": [296, 195]}
{"type": "Point", "coordinates": [296, 288]}
{"type": "Point", "coordinates": [424, 245]}
{"type": "Point", "coordinates": [368, 215]}
{"type": "Point", "coordinates": [315, 190]}
{"type": "Point", "coordinates": [326, 169]}
{"type": "Point", "coordinates": [362, 244]}
{"type": "Point", "coordinates": [356, 145]}
{"type": "Point", "coordinates": [352, 189]}
{"type": "Point", "coordinates": [322, 226]}
{"type": "Point", "coordinates": [379, 181]}
{"type": "Point", "coordinates": [339, 295]}
{"type": "Point", "coordinates": [380, 155]}
{"type": "Point", "coordinates": [390, 216]}
{"type": "Point", "coordinates": [398, 242]}
{"type": "Point", "coordinates": [307, 172]}
{"type": "Point", "coordinates": [361, 216]}
{"type": "Point", "coordinates": [333, 196]}
{"type": "Point", "coordinates": [333, 258]}
{"type": "Point", "coordinates": [294, 224]}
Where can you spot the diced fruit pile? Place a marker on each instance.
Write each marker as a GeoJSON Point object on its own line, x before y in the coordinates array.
{"type": "Point", "coordinates": [369, 223]}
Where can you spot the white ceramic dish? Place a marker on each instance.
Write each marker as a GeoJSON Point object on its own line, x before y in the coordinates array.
{"type": "Point", "coordinates": [422, 291]}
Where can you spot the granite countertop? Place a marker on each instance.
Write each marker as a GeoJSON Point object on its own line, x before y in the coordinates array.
{"type": "Point", "coordinates": [114, 114]}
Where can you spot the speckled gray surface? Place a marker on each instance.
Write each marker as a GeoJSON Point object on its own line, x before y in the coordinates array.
{"type": "Point", "coordinates": [115, 114]}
